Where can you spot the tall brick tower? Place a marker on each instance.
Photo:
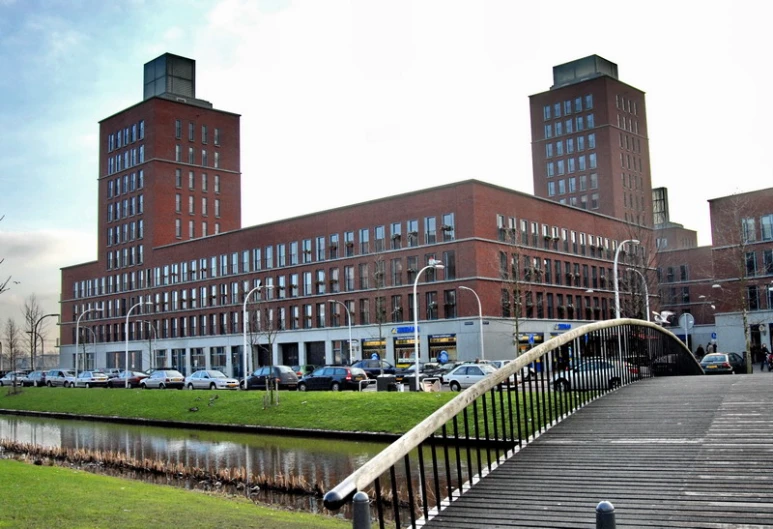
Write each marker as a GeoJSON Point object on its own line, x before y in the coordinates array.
{"type": "Point", "coordinates": [590, 147]}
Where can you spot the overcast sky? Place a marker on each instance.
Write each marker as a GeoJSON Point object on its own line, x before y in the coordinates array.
{"type": "Point", "coordinates": [361, 99]}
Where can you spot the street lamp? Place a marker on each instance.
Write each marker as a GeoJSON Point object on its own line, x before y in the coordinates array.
{"type": "Point", "coordinates": [126, 332]}
{"type": "Point", "coordinates": [614, 272]}
{"type": "Point", "coordinates": [432, 263]}
{"type": "Point", "coordinates": [245, 317]}
{"type": "Point", "coordinates": [480, 314]}
{"type": "Point", "coordinates": [646, 291]}
{"type": "Point", "coordinates": [348, 322]}
{"type": "Point", "coordinates": [78, 334]}
{"type": "Point", "coordinates": [34, 337]}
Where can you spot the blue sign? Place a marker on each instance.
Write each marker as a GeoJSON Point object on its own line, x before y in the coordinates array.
{"type": "Point", "coordinates": [442, 357]}
{"type": "Point", "coordinates": [374, 356]}
{"type": "Point", "coordinates": [531, 339]}
{"type": "Point", "coordinates": [404, 330]}
{"type": "Point", "coordinates": [563, 326]}
{"type": "Point", "coordinates": [713, 336]}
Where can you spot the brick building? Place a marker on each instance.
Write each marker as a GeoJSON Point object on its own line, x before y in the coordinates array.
{"type": "Point", "coordinates": [590, 146]}
{"type": "Point", "coordinates": [170, 238]}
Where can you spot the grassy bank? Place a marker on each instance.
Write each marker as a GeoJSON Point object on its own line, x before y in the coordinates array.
{"type": "Point", "coordinates": [387, 412]}
{"type": "Point", "coordinates": [40, 496]}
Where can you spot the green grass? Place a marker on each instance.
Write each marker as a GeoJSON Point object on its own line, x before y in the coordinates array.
{"type": "Point", "coordinates": [40, 496]}
{"type": "Point", "coordinates": [387, 412]}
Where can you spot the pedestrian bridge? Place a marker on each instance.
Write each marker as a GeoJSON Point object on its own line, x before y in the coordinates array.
{"type": "Point", "coordinates": [676, 450]}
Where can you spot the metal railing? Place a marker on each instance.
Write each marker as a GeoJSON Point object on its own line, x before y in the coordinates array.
{"type": "Point", "coordinates": [439, 459]}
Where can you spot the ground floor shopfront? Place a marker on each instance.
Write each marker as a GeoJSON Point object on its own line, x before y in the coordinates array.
{"type": "Point", "coordinates": [454, 340]}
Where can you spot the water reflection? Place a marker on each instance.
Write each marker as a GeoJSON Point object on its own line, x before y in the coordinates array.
{"type": "Point", "coordinates": [318, 461]}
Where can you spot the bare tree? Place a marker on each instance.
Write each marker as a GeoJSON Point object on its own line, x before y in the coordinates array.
{"type": "Point", "coordinates": [32, 313]}
{"type": "Point", "coordinates": [733, 258]}
{"type": "Point", "coordinates": [12, 342]}
{"type": "Point", "coordinates": [263, 328]}
{"type": "Point", "coordinates": [4, 284]}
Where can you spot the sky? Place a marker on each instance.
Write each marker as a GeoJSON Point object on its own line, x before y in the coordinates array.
{"type": "Point", "coordinates": [361, 99]}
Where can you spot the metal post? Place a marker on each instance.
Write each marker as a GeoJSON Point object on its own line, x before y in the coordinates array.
{"type": "Point", "coordinates": [605, 515]}
{"type": "Point", "coordinates": [361, 511]}
{"type": "Point", "coordinates": [614, 274]}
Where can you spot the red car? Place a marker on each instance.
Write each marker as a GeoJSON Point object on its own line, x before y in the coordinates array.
{"type": "Point", "coordinates": [119, 380]}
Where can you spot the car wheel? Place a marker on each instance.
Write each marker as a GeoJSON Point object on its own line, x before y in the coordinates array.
{"type": "Point", "coordinates": [143, 386]}
{"type": "Point", "coordinates": [49, 384]}
{"type": "Point", "coordinates": [190, 386]}
{"type": "Point", "coordinates": [88, 385]}
{"type": "Point", "coordinates": [212, 386]}
{"type": "Point", "coordinates": [301, 387]}
{"type": "Point", "coordinates": [561, 385]}
{"type": "Point", "coordinates": [455, 386]}
{"type": "Point", "coordinates": [161, 386]}
{"type": "Point", "coordinates": [335, 386]}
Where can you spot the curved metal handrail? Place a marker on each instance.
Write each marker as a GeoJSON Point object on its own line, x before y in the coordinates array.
{"type": "Point", "coordinates": [390, 456]}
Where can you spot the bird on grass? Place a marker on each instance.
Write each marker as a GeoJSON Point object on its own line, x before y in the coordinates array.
{"type": "Point", "coordinates": [195, 408]}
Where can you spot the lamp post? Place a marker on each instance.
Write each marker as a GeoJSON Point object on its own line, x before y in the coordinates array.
{"type": "Point", "coordinates": [78, 333]}
{"type": "Point", "coordinates": [432, 263]}
{"type": "Point", "coordinates": [245, 317]}
{"type": "Point", "coordinates": [614, 272]}
{"type": "Point", "coordinates": [126, 332]}
{"type": "Point", "coordinates": [35, 334]}
{"type": "Point", "coordinates": [646, 291]}
{"type": "Point", "coordinates": [480, 314]}
{"type": "Point", "coordinates": [349, 324]}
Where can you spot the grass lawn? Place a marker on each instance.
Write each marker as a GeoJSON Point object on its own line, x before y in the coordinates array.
{"type": "Point", "coordinates": [388, 412]}
{"type": "Point", "coordinates": [40, 496]}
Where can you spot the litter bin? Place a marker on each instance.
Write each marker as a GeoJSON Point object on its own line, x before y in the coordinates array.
{"type": "Point", "coordinates": [430, 384]}
{"type": "Point", "coordinates": [384, 381]}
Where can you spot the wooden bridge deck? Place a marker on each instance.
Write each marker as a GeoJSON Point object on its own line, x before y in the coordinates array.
{"type": "Point", "coordinates": [676, 452]}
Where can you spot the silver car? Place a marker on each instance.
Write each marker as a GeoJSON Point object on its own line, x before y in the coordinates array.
{"type": "Point", "coordinates": [58, 377]}
{"type": "Point", "coordinates": [595, 373]}
{"type": "Point", "coordinates": [466, 375]}
{"type": "Point", "coordinates": [210, 379]}
{"type": "Point", "coordinates": [163, 378]}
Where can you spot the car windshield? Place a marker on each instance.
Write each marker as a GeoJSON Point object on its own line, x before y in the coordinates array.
{"type": "Point", "coordinates": [714, 359]}
{"type": "Point", "coordinates": [216, 374]}
{"type": "Point", "coordinates": [285, 369]}
{"type": "Point", "coordinates": [487, 368]}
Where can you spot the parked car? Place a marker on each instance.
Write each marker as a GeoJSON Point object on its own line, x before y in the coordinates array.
{"type": "Point", "coordinates": [119, 380]}
{"type": "Point", "coordinates": [374, 368]}
{"type": "Point", "coordinates": [718, 364]}
{"type": "Point", "coordinates": [210, 379]}
{"type": "Point", "coordinates": [527, 372]}
{"type": "Point", "coordinates": [334, 378]}
{"type": "Point", "coordinates": [13, 378]}
{"type": "Point", "coordinates": [87, 379]}
{"type": "Point", "coordinates": [35, 379]}
{"type": "Point", "coordinates": [284, 377]}
{"type": "Point", "coordinates": [738, 362]}
{"type": "Point", "coordinates": [57, 377]}
{"type": "Point", "coordinates": [595, 373]}
{"type": "Point", "coordinates": [304, 369]}
{"type": "Point", "coordinates": [466, 375]}
{"type": "Point", "coordinates": [162, 379]}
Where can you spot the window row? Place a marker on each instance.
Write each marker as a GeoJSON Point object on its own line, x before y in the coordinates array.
{"type": "Point", "coordinates": [630, 143]}
{"type": "Point", "coordinates": [562, 306]}
{"type": "Point", "coordinates": [191, 158]}
{"type": "Point", "coordinates": [578, 124]}
{"type": "Point", "coordinates": [749, 228]}
{"type": "Point", "coordinates": [570, 185]}
{"type": "Point", "coordinates": [178, 181]}
{"type": "Point", "coordinates": [127, 160]}
{"type": "Point", "coordinates": [178, 132]}
{"type": "Point", "coordinates": [124, 257]}
{"type": "Point", "coordinates": [125, 136]}
{"type": "Point", "coordinates": [626, 104]}
{"type": "Point", "coordinates": [630, 162]}
{"type": "Point", "coordinates": [625, 123]}
{"type": "Point", "coordinates": [178, 227]}
{"type": "Point", "coordinates": [571, 165]}
{"type": "Point", "coordinates": [127, 183]}
{"type": "Point", "coordinates": [178, 205]}
{"type": "Point", "coordinates": [557, 148]}
{"type": "Point", "coordinates": [128, 207]}
{"type": "Point", "coordinates": [531, 269]}
{"type": "Point", "coordinates": [556, 110]}
{"type": "Point", "coordinates": [127, 232]}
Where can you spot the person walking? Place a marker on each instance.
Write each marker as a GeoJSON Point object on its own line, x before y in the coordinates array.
{"type": "Point", "coordinates": [765, 357]}
{"type": "Point", "coordinates": [699, 352]}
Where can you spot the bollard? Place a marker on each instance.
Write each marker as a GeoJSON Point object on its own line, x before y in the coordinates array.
{"type": "Point", "coordinates": [361, 511]}
{"type": "Point", "coordinates": [605, 515]}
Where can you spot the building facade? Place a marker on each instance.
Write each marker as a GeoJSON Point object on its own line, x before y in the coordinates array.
{"type": "Point", "coordinates": [175, 267]}
{"type": "Point", "coordinates": [590, 147]}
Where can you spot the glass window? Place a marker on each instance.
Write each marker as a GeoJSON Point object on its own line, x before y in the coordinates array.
{"type": "Point", "coordinates": [588, 101]}
{"type": "Point", "coordinates": [546, 112]}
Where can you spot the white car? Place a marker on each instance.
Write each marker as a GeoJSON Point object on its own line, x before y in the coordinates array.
{"type": "Point", "coordinates": [595, 373]}
{"type": "Point", "coordinates": [13, 378]}
{"type": "Point", "coordinates": [466, 375]}
{"type": "Point", "coordinates": [526, 373]}
{"type": "Point", "coordinates": [87, 379]}
{"type": "Point", "coordinates": [210, 379]}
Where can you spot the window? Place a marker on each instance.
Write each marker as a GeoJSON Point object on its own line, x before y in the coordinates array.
{"type": "Point", "coordinates": [551, 189]}
{"type": "Point", "coordinates": [191, 131]}
{"type": "Point", "coordinates": [751, 263]}
{"type": "Point", "coordinates": [559, 128]}
{"type": "Point", "coordinates": [568, 126]}
{"type": "Point", "coordinates": [217, 207]}
{"type": "Point", "coordinates": [413, 233]}
{"type": "Point", "coordinates": [191, 156]}
{"type": "Point", "coordinates": [560, 146]}
{"type": "Point", "coordinates": [217, 183]}
{"type": "Point", "coordinates": [580, 143]}
{"type": "Point", "coordinates": [364, 276]}
{"type": "Point", "coordinates": [748, 231]}
{"type": "Point", "coordinates": [557, 110]}
{"type": "Point", "coordinates": [430, 230]}
{"type": "Point", "coordinates": [364, 241]}
{"type": "Point", "coordinates": [551, 171]}
{"type": "Point", "coordinates": [589, 102]}
{"type": "Point", "coordinates": [204, 206]}
{"type": "Point", "coordinates": [177, 204]}
{"type": "Point", "coordinates": [591, 120]}
{"type": "Point", "coordinates": [548, 150]}
{"type": "Point", "coordinates": [448, 227]}
{"type": "Point", "coordinates": [203, 134]}
{"type": "Point", "coordinates": [548, 131]}
{"type": "Point", "coordinates": [397, 272]}
{"type": "Point", "coordinates": [216, 138]}
{"type": "Point", "coordinates": [572, 184]}
{"type": "Point", "coordinates": [294, 253]}
{"type": "Point", "coordinates": [178, 130]}
{"type": "Point", "coordinates": [334, 246]}
{"type": "Point", "coordinates": [592, 160]}
{"type": "Point", "coordinates": [578, 104]}
{"type": "Point", "coordinates": [395, 235]}
{"type": "Point", "coordinates": [546, 112]}
{"type": "Point", "coordinates": [204, 157]}
{"type": "Point", "coordinates": [281, 255]}
{"type": "Point", "coordinates": [348, 278]}
{"type": "Point", "coordinates": [349, 243]}
{"type": "Point", "coordinates": [431, 303]}
{"type": "Point", "coordinates": [594, 201]}
{"type": "Point", "coordinates": [594, 181]}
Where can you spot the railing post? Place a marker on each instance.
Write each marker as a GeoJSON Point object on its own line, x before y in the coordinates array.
{"type": "Point", "coordinates": [361, 511]}
{"type": "Point", "coordinates": [605, 515]}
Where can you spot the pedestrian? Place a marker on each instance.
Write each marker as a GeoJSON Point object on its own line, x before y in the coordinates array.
{"type": "Point", "coordinates": [699, 353]}
{"type": "Point", "coordinates": [765, 357]}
